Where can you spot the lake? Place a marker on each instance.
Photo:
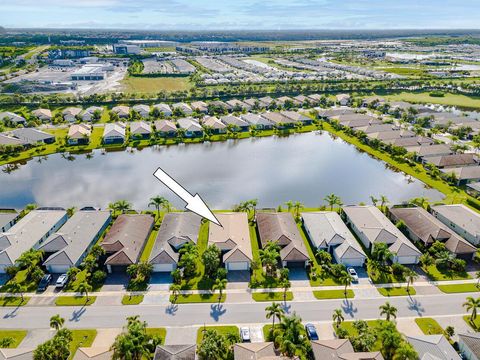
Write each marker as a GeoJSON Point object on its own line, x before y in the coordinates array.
{"type": "Point", "coordinates": [301, 167]}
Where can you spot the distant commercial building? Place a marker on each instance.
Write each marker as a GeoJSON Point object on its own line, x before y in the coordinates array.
{"type": "Point", "coordinates": [148, 43]}
{"type": "Point", "coordinates": [124, 49]}
{"type": "Point", "coordinates": [68, 53]}
{"type": "Point", "coordinates": [91, 72]}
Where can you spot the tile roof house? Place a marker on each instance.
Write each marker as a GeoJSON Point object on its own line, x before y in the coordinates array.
{"type": "Point", "coordinates": [235, 121]}
{"type": "Point", "coordinates": [410, 141]}
{"type": "Point", "coordinates": [10, 140]}
{"type": "Point", "coordinates": [93, 353]}
{"type": "Point", "coordinates": [7, 219]}
{"type": "Point", "coordinates": [89, 112]}
{"type": "Point", "coordinates": [296, 117]}
{"type": "Point", "coordinates": [140, 129]}
{"type": "Point", "coordinates": [434, 345]}
{"type": "Point", "coordinates": [277, 119]}
{"type": "Point", "coordinates": [237, 104]}
{"type": "Point", "coordinates": [461, 219]}
{"type": "Point", "coordinates": [423, 226]}
{"type": "Point", "coordinates": [142, 110]}
{"type": "Point", "coordinates": [29, 232]}
{"type": "Point", "coordinates": [184, 108]}
{"type": "Point", "coordinates": [79, 134]}
{"type": "Point", "coordinates": [455, 160]}
{"type": "Point", "coordinates": [215, 124]}
{"type": "Point", "coordinates": [233, 240]}
{"type": "Point", "coordinates": [356, 120]}
{"type": "Point", "coordinates": [126, 239]}
{"type": "Point", "coordinates": [19, 353]}
{"type": "Point", "coordinates": [114, 133]}
{"type": "Point", "coordinates": [44, 115]}
{"type": "Point", "coordinates": [340, 349]}
{"type": "Point", "coordinates": [12, 117]}
{"type": "Point", "coordinates": [191, 126]}
{"type": "Point", "coordinates": [165, 128]}
{"type": "Point", "coordinates": [175, 352]}
{"type": "Point", "coordinates": [176, 230]}
{"type": "Point", "coordinates": [464, 175]}
{"type": "Point", "coordinates": [281, 228]}
{"type": "Point", "coordinates": [327, 231]}
{"type": "Point", "coordinates": [254, 351]}
{"type": "Point", "coordinates": [164, 108]}
{"type": "Point", "coordinates": [70, 114]}
{"type": "Point", "coordinates": [33, 136]}
{"type": "Point", "coordinates": [425, 151]}
{"type": "Point", "coordinates": [257, 121]}
{"type": "Point", "coordinates": [199, 106]}
{"type": "Point", "coordinates": [67, 247]}
{"type": "Point", "coordinates": [122, 111]}
{"type": "Point", "coordinates": [469, 345]}
{"type": "Point", "coordinates": [343, 99]}
{"type": "Point", "coordinates": [266, 101]}
{"type": "Point", "coordinates": [373, 227]}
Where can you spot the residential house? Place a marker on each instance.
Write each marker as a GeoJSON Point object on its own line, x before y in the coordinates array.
{"type": "Point", "coordinates": [125, 240]}
{"type": "Point", "coordinates": [216, 126]}
{"type": "Point", "coordinates": [71, 114]}
{"type": "Point", "coordinates": [469, 345]}
{"type": "Point", "coordinates": [164, 109]}
{"type": "Point", "coordinates": [356, 120]}
{"type": "Point", "coordinates": [199, 107]}
{"type": "Point", "coordinates": [142, 110]}
{"type": "Point", "coordinates": [114, 133]}
{"type": "Point", "coordinates": [218, 105]}
{"type": "Point", "coordinates": [29, 232]}
{"type": "Point", "coordinates": [184, 108]}
{"type": "Point", "coordinates": [315, 98]}
{"type": "Point", "coordinates": [13, 118]}
{"type": "Point", "coordinates": [175, 352]}
{"type": "Point", "coordinates": [473, 189]}
{"type": "Point", "coordinates": [340, 349]}
{"type": "Point", "coordinates": [79, 134]}
{"type": "Point", "coordinates": [233, 240]}
{"type": "Point", "coordinates": [257, 121]}
{"type": "Point", "coordinates": [140, 129]}
{"type": "Point", "coordinates": [277, 119]}
{"type": "Point", "coordinates": [191, 126]}
{"type": "Point", "coordinates": [296, 117]}
{"type": "Point", "coordinates": [7, 219]}
{"type": "Point", "coordinates": [33, 136]}
{"type": "Point", "coordinates": [433, 347]}
{"type": "Point", "coordinates": [236, 122]}
{"type": "Point", "coordinates": [122, 111]}
{"type": "Point", "coordinates": [237, 105]}
{"type": "Point", "coordinates": [10, 140]}
{"type": "Point", "coordinates": [421, 226]}
{"type": "Point", "coordinates": [282, 229]}
{"type": "Point", "coordinates": [343, 99]}
{"type": "Point", "coordinates": [93, 353]}
{"type": "Point", "coordinates": [464, 175]}
{"type": "Point", "coordinates": [165, 128]}
{"type": "Point", "coordinates": [328, 232]}
{"type": "Point", "coordinates": [266, 101]}
{"type": "Point", "coordinates": [410, 141]}
{"type": "Point", "coordinates": [377, 128]}
{"type": "Point", "coordinates": [67, 247]}
{"type": "Point", "coordinates": [44, 115]}
{"type": "Point", "coordinates": [390, 135]}
{"type": "Point", "coordinates": [254, 103]}
{"type": "Point", "coordinates": [302, 99]}
{"type": "Point", "coordinates": [176, 230]}
{"type": "Point", "coordinates": [18, 353]}
{"type": "Point", "coordinates": [89, 113]}
{"type": "Point", "coordinates": [461, 219]}
{"type": "Point", "coordinates": [335, 111]}
{"type": "Point", "coordinates": [254, 351]}
{"type": "Point", "coordinates": [372, 227]}
{"type": "Point", "coordinates": [424, 151]}
{"type": "Point", "coordinates": [452, 161]}
{"type": "Point", "coordinates": [287, 101]}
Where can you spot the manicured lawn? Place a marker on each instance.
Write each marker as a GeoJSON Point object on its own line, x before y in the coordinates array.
{"type": "Point", "coordinates": [458, 288]}
{"type": "Point", "coordinates": [132, 299]}
{"type": "Point", "coordinates": [259, 279]}
{"type": "Point", "coordinates": [149, 246]}
{"type": "Point", "coordinates": [151, 85]}
{"type": "Point", "coordinates": [406, 71]}
{"type": "Point", "coordinates": [396, 291]}
{"type": "Point", "coordinates": [79, 278]}
{"type": "Point", "coordinates": [429, 326]}
{"type": "Point", "coordinates": [13, 301]}
{"type": "Point", "coordinates": [16, 335]}
{"type": "Point", "coordinates": [475, 325]}
{"type": "Point", "coordinates": [21, 278]}
{"type": "Point", "coordinates": [333, 294]}
{"type": "Point", "coordinates": [384, 278]}
{"type": "Point", "coordinates": [161, 332]}
{"type": "Point", "coordinates": [81, 338]}
{"type": "Point", "coordinates": [437, 274]}
{"type": "Point", "coordinates": [198, 298]}
{"type": "Point", "coordinates": [272, 296]}
{"type": "Point", "coordinates": [447, 99]}
{"type": "Point", "coordinates": [222, 330]}
{"type": "Point", "coordinates": [75, 300]}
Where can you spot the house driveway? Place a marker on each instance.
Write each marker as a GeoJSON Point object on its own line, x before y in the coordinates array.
{"type": "Point", "coordinates": [37, 337]}
{"type": "Point", "coordinates": [106, 337]}
{"type": "Point", "coordinates": [457, 322]}
{"type": "Point", "coordinates": [181, 336]}
{"type": "Point", "coordinates": [408, 327]}
{"type": "Point", "coordinates": [116, 282]}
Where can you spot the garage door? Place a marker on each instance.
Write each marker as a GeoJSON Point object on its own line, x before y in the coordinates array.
{"type": "Point", "coordinates": [58, 269]}
{"type": "Point", "coordinates": [163, 267]}
{"type": "Point", "coordinates": [407, 259]}
{"type": "Point", "coordinates": [295, 264]}
{"type": "Point", "coordinates": [352, 262]}
{"type": "Point", "coordinates": [241, 265]}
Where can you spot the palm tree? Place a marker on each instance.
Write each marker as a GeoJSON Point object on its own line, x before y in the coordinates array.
{"type": "Point", "coordinates": [338, 317]}
{"type": "Point", "coordinates": [56, 322]}
{"type": "Point", "coordinates": [296, 209]}
{"type": "Point", "coordinates": [84, 288]}
{"type": "Point", "coordinates": [175, 289]}
{"type": "Point", "coordinates": [121, 206]}
{"type": "Point", "coordinates": [477, 275]}
{"type": "Point", "coordinates": [289, 204]}
{"type": "Point", "coordinates": [289, 337]}
{"type": "Point", "coordinates": [411, 277]}
{"type": "Point", "coordinates": [388, 310]}
{"type": "Point", "coordinates": [333, 200]}
{"type": "Point", "coordinates": [70, 211]}
{"type": "Point", "coordinates": [472, 305]}
{"type": "Point", "coordinates": [346, 279]}
{"type": "Point", "coordinates": [16, 288]}
{"type": "Point", "coordinates": [274, 311]}
{"type": "Point", "coordinates": [405, 351]}
{"type": "Point", "coordinates": [374, 200]}
{"type": "Point", "coordinates": [220, 285]}
{"type": "Point", "coordinates": [158, 202]}
{"type": "Point", "coordinates": [383, 201]}
{"type": "Point", "coordinates": [286, 284]}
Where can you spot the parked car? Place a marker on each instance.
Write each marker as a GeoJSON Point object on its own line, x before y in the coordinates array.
{"type": "Point", "coordinates": [61, 281]}
{"type": "Point", "coordinates": [353, 273]}
{"type": "Point", "coordinates": [245, 334]}
{"type": "Point", "coordinates": [311, 332]}
{"type": "Point", "coordinates": [46, 280]}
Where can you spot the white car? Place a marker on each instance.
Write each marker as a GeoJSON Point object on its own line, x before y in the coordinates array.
{"type": "Point", "coordinates": [61, 281]}
{"type": "Point", "coordinates": [353, 273]}
{"type": "Point", "coordinates": [245, 334]}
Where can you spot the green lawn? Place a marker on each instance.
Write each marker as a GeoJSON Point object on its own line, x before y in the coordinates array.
{"type": "Point", "coordinates": [475, 325]}
{"type": "Point", "coordinates": [272, 296]}
{"type": "Point", "coordinates": [132, 299]}
{"type": "Point", "coordinates": [152, 85]}
{"type": "Point", "coordinates": [333, 294]}
{"type": "Point", "coordinates": [436, 274]}
{"type": "Point", "coordinates": [149, 246]}
{"type": "Point", "coordinates": [161, 332]}
{"type": "Point", "coordinates": [74, 300]}
{"type": "Point", "coordinates": [406, 71]}
{"type": "Point", "coordinates": [16, 335]}
{"type": "Point", "coordinates": [198, 298]}
{"type": "Point", "coordinates": [458, 288]}
{"type": "Point", "coordinates": [397, 291]}
{"type": "Point", "coordinates": [429, 326]}
{"type": "Point", "coordinates": [448, 99]}
{"type": "Point", "coordinates": [259, 279]}
{"type": "Point", "coordinates": [222, 330]}
{"type": "Point", "coordinates": [21, 278]}
{"type": "Point", "coordinates": [13, 301]}
{"type": "Point", "coordinates": [81, 338]}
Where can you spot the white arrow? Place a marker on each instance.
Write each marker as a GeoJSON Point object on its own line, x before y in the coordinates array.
{"type": "Point", "coordinates": [194, 203]}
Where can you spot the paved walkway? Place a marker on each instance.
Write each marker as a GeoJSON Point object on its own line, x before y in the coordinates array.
{"type": "Point", "coordinates": [106, 337]}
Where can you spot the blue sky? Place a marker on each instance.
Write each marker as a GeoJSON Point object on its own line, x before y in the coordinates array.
{"type": "Point", "coordinates": [241, 14]}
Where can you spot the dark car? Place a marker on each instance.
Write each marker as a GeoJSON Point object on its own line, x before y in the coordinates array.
{"type": "Point", "coordinates": [46, 280]}
{"type": "Point", "coordinates": [311, 332]}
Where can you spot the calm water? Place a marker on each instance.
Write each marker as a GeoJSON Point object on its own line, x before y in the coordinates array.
{"type": "Point", "coordinates": [302, 168]}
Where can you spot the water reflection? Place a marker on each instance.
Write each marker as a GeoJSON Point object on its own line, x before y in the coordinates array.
{"type": "Point", "coordinates": [303, 167]}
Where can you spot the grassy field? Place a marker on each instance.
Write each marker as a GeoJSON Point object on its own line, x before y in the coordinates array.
{"type": "Point", "coordinates": [132, 299]}
{"type": "Point", "coordinates": [16, 335]}
{"type": "Point", "coordinates": [458, 288]}
{"type": "Point", "coordinates": [222, 330]}
{"type": "Point", "coordinates": [396, 291]}
{"type": "Point", "coordinates": [13, 301]}
{"type": "Point", "coordinates": [151, 85]}
{"type": "Point", "coordinates": [448, 99]}
{"type": "Point", "coordinates": [272, 296]}
{"type": "Point", "coordinates": [198, 298]}
{"type": "Point", "coordinates": [333, 294]}
{"type": "Point", "coordinates": [406, 71]}
{"type": "Point", "coordinates": [81, 338]}
{"type": "Point", "coordinates": [74, 300]}
{"type": "Point", "coordinates": [429, 326]}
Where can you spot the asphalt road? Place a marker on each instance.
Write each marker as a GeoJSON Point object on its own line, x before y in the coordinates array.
{"type": "Point", "coordinates": [31, 317]}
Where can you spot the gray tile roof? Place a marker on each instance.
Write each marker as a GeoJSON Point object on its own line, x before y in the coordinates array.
{"type": "Point", "coordinates": [7, 217]}
{"type": "Point", "coordinates": [461, 216]}
{"type": "Point", "coordinates": [175, 352]}
{"type": "Point", "coordinates": [436, 345]}
{"type": "Point", "coordinates": [472, 341]}
{"type": "Point", "coordinates": [31, 136]}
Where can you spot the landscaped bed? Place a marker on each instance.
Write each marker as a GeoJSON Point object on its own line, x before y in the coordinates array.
{"type": "Point", "coordinates": [333, 294]}
{"type": "Point", "coordinates": [16, 335]}
{"type": "Point", "coordinates": [429, 326]}
{"type": "Point", "coordinates": [198, 298]}
{"type": "Point", "coordinates": [75, 300]}
{"type": "Point", "coordinates": [458, 288]}
{"type": "Point", "coordinates": [273, 296]}
{"type": "Point", "coordinates": [397, 291]}
{"type": "Point", "coordinates": [222, 330]}
{"type": "Point", "coordinates": [132, 299]}
{"type": "Point", "coordinates": [81, 338]}
{"type": "Point", "coordinates": [13, 301]}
